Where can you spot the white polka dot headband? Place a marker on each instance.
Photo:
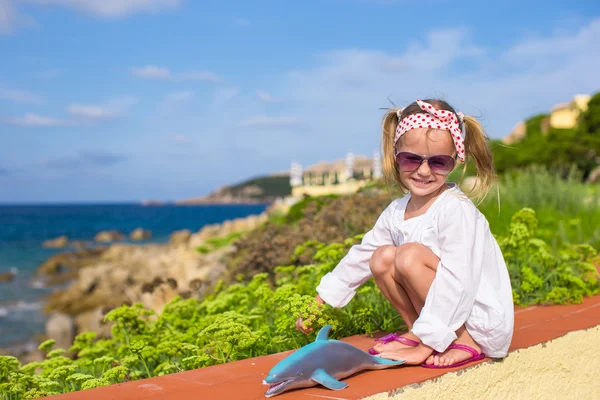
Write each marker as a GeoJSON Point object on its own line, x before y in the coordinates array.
{"type": "Point", "coordinates": [435, 119]}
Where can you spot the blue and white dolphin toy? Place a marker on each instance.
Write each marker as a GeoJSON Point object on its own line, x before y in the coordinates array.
{"type": "Point", "coordinates": [322, 362]}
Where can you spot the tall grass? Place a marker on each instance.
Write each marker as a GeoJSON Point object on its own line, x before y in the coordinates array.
{"type": "Point", "coordinates": [567, 208]}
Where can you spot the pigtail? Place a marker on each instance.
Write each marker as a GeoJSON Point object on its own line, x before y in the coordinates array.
{"type": "Point", "coordinates": [477, 149]}
{"type": "Point", "coordinates": [391, 173]}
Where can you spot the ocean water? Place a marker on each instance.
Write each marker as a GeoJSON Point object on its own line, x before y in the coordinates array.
{"type": "Point", "coordinates": [24, 228]}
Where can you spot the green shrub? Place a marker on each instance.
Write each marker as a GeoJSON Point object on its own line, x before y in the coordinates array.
{"type": "Point", "coordinates": [258, 317]}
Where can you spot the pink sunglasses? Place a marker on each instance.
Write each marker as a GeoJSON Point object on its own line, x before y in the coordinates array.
{"type": "Point", "coordinates": [440, 163]}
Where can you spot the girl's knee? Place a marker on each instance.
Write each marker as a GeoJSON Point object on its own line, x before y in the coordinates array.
{"type": "Point", "coordinates": [382, 259]}
{"type": "Point", "coordinates": [411, 255]}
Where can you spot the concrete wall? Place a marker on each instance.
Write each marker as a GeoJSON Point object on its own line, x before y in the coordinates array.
{"type": "Point", "coordinates": [342, 188]}
{"type": "Point", "coordinates": [564, 368]}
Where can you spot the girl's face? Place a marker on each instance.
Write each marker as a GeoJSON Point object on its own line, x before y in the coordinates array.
{"type": "Point", "coordinates": [423, 181]}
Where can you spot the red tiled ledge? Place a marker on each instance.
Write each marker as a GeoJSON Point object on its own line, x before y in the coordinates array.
{"type": "Point", "coordinates": [243, 379]}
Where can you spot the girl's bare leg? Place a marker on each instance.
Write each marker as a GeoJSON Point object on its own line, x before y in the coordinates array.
{"type": "Point", "coordinates": [414, 270]}
{"type": "Point", "coordinates": [383, 266]}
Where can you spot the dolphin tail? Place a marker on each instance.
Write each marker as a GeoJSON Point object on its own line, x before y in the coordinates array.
{"type": "Point", "coordinates": [384, 362]}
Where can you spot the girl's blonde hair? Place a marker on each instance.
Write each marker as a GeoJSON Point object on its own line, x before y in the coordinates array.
{"type": "Point", "coordinates": [475, 148]}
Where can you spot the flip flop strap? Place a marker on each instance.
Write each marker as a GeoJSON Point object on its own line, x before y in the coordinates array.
{"type": "Point", "coordinates": [394, 336]}
{"type": "Point", "coordinates": [466, 348]}
{"type": "Point", "coordinates": [388, 338]}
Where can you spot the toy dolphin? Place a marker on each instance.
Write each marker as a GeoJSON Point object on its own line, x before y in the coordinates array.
{"type": "Point", "coordinates": [322, 362]}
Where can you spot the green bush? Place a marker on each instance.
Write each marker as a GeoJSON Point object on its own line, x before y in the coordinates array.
{"type": "Point", "coordinates": [258, 317]}
{"type": "Point", "coordinates": [218, 242]}
{"type": "Point", "coordinates": [296, 212]}
{"type": "Point", "coordinates": [567, 208]}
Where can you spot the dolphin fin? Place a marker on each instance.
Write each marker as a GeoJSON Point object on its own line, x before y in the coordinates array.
{"type": "Point", "coordinates": [323, 333]}
{"type": "Point", "coordinates": [387, 361]}
{"type": "Point", "coordinates": [321, 376]}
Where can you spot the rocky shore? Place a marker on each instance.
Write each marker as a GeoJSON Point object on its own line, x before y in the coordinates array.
{"type": "Point", "coordinates": [99, 277]}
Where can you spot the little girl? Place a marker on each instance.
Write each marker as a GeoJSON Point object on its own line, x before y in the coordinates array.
{"type": "Point", "coordinates": [431, 252]}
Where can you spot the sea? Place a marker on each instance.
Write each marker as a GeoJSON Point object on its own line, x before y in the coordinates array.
{"type": "Point", "coordinates": [23, 229]}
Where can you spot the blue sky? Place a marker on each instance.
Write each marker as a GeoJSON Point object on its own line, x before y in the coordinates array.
{"type": "Point", "coordinates": [124, 100]}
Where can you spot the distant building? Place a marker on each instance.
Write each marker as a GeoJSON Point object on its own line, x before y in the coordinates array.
{"type": "Point", "coordinates": [377, 168]}
{"type": "Point", "coordinates": [565, 116]}
{"type": "Point", "coordinates": [350, 165]}
{"type": "Point", "coordinates": [562, 116]}
{"type": "Point", "coordinates": [296, 175]}
{"type": "Point", "coordinates": [344, 176]}
{"type": "Point", "coordinates": [518, 133]}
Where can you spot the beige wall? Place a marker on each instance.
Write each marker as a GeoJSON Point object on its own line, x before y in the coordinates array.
{"type": "Point", "coordinates": [565, 368]}
{"type": "Point", "coordinates": [342, 188]}
{"type": "Point", "coordinates": [564, 118]}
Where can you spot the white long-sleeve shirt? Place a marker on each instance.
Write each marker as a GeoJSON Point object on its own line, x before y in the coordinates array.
{"type": "Point", "coordinates": [471, 286]}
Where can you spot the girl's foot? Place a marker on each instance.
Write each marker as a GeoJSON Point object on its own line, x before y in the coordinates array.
{"type": "Point", "coordinates": [395, 345]}
{"type": "Point", "coordinates": [453, 356]}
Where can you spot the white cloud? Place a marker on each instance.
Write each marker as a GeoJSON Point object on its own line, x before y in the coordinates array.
{"type": "Point", "coordinates": [270, 122]}
{"type": "Point", "coordinates": [20, 96]}
{"type": "Point", "coordinates": [112, 8]}
{"type": "Point", "coordinates": [341, 98]}
{"type": "Point", "coordinates": [80, 114]}
{"type": "Point", "coordinates": [265, 97]}
{"type": "Point", "coordinates": [152, 72]}
{"type": "Point", "coordinates": [113, 108]}
{"type": "Point", "coordinates": [11, 18]}
{"type": "Point", "coordinates": [85, 159]}
{"type": "Point", "coordinates": [156, 72]}
{"type": "Point", "coordinates": [35, 120]}
{"type": "Point", "coordinates": [92, 112]}
{"type": "Point", "coordinates": [540, 49]}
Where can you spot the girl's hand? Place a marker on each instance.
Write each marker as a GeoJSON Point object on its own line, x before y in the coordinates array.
{"type": "Point", "coordinates": [300, 321]}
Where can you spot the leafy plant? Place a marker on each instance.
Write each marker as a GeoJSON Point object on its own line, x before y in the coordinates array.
{"type": "Point", "coordinates": [257, 317]}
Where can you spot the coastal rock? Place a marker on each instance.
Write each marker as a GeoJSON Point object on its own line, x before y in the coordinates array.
{"type": "Point", "coordinates": [56, 243]}
{"type": "Point", "coordinates": [7, 276]}
{"type": "Point", "coordinates": [122, 275]}
{"type": "Point", "coordinates": [226, 228]}
{"type": "Point", "coordinates": [109, 236]}
{"type": "Point", "coordinates": [93, 321]}
{"type": "Point", "coordinates": [180, 237]}
{"type": "Point", "coordinates": [152, 274]}
{"type": "Point", "coordinates": [71, 260]}
{"type": "Point", "coordinates": [140, 234]}
{"type": "Point", "coordinates": [61, 328]}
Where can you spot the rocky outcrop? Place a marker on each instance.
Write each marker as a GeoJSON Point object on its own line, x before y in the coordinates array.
{"type": "Point", "coordinates": [109, 236]}
{"type": "Point", "coordinates": [56, 243]}
{"type": "Point", "coordinates": [180, 237]}
{"type": "Point", "coordinates": [65, 266]}
{"type": "Point", "coordinates": [128, 273]}
{"type": "Point", "coordinates": [123, 273]}
{"type": "Point", "coordinates": [140, 234]}
{"type": "Point", "coordinates": [7, 276]}
{"type": "Point", "coordinates": [226, 228]}
{"type": "Point", "coordinates": [61, 328]}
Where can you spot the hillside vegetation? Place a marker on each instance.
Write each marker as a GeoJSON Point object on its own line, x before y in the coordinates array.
{"type": "Point", "coordinates": [274, 274]}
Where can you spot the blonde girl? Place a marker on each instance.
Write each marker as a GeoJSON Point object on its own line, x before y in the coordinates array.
{"type": "Point", "coordinates": [431, 251]}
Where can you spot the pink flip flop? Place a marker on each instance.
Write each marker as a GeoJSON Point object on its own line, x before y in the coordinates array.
{"type": "Point", "coordinates": [476, 357]}
{"type": "Point", "coordinates": [390, 338]}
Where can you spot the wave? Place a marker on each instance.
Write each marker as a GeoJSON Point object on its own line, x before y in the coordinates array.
{"type": "Point", "coordinates": [19, 307]}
